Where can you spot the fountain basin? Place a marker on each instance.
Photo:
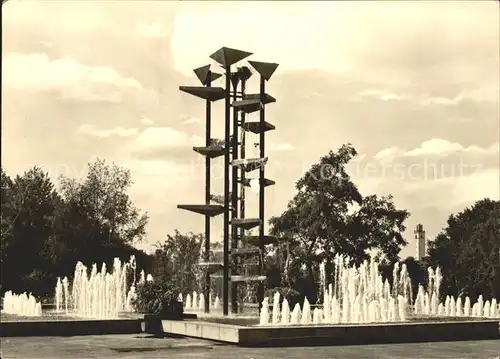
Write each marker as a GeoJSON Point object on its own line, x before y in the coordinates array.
{"type": "Point", "coordinates": [53, 323]}
{"type": "Point", "coordinates": [319, 335]}
{"type": "Point", "coordinates": [69, 327]}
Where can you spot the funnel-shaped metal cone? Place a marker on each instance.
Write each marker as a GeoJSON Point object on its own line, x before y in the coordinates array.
{"type": "Point", "coordinates": [256, 127]}
{"type": "Point", "coordinates": [210, 210]}
{"type": "Point", "coordinates": [265, 69]}
{"type": "Point", "coordinates": [204, 74]}
{"type": "Point", "coordinates": [227, 56]}
{"type": "Point", "coordinates": [247, 106]}
{"type": "Point", "coordinates": [256, 96]}
{"type": "Point", "coordinates": [206, 93]}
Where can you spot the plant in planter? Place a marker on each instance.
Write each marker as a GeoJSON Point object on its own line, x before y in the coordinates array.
{"type": "Point", "coordinates": [158, 298]}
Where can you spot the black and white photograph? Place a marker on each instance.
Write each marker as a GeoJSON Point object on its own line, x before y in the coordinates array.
{"type": "Point", "coordinates": [250, 179]}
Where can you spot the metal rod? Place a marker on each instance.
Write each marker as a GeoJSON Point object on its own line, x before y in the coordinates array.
{"type": "Point", "coordinates": [260, 291]}
{"type": "Point", "coordinates": [208, 115]}
{"type": "Point", "coordinates": [227, 135]}
{"type": "Point", "coordinates": [242, 156]}
{"type": "Point", "coordinates": [242, 173]}
{"type": "Point", "coordinates": [234, 201]}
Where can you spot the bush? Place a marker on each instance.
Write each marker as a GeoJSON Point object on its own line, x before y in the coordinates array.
{"type": "Point", "coordinates": [291, 295]}
{"type": "Point", "coordinates": [159, 298]}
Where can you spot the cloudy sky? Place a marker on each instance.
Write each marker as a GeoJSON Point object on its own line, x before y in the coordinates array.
{"type": "Point", "coordinates": [414, 86]}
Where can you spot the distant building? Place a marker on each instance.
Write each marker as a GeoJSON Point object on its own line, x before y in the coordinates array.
{"type": "Point", "coordinates": [420, 241]}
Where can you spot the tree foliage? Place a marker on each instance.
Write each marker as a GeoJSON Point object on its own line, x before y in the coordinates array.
{"type": "Point", "coordinates": [175, 260]}
{"type": "Point", "coordinates": [27, 218]}
{"type": "Point", "coordinates": [158, 297]}
{"type": "Point", "coordinates": [328, 215]}
{"type": "Point", "coordinates": [417, 270]}
{"type": "Point", "coordinates": [45, 231]}
{"type": "Point", "coordinates": [103, 198]}
{"type": "Point", "coordinates": [468, 251]}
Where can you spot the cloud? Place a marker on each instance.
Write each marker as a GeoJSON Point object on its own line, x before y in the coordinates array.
{"type": "Point", "coordinates": [445, 101]}
{"type": "Point", "coordinates": [437, 146]}
{"type": "Point", "coordinates": [158, 175]}
{"type": "Point", "coordinates": [92, 130]}
{"type": "Point", "coordinates": [359, 157]}
{"type": "Point", "coordinates": [47, 44]}
{"type": "Point", "coordinates": [281, 147]}
{"type": "Point", "coordinates": [449, 171]}
{"type": "Point", "coordinates": [191, 120]}
{"type": "Point", "coordinates": [388, 154]}
{"type": "Point", "coordinates": [485, 93]}
{"type": "Point", "coordinates": [468, 189]}
{"type": "Point", "coordinates": [370, 26]}
{"type": "Point", "coordinates": [66, 76]}
{"type": "Point", "coordinates": [164, 142]}
{"type": "Point", "coordinates": [146, 121]}
{"type": "Point", "coordinates": [155, 137]}
{"type": "Point", "coordinates": [381, 95]}
{"type": "Point", "coordinates": [153, 29]}
{"type": "Point", "coordinates": [443, 178]}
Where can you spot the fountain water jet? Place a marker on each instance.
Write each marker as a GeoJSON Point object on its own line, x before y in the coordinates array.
{"type": "Point", "coordinates": [285, 312]}
{"type": "Point", "coordinates": [100, 294]}
{"type": "Point", "coordinates": [264, 312]}
{"type": "Point", "coordinates": [21, 304]}
{"type": "Point", "coordinates": [295, 316]}
{"type": "Point", "coordinates": [360, 295]}
{"type": "Point", "coordinates": [276, 309]}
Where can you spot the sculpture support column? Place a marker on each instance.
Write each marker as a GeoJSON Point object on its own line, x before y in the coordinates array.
{"type": "Point", "coordinates": [227, 148]}
{"type": "Point", "coordinates": [262, 144]}
{"type": "Point", "coordinates": [234, 195]}
{"type": "Point", "coordinates": [242, 172]}
{"type": "Point", "coordinates": [208, 140]}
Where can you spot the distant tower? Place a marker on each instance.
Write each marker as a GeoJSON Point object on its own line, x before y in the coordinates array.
{"type": "Point", "coordinates": [420, 242]}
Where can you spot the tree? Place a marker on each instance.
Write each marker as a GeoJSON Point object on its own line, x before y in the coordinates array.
{"type": "Point", "coordinates": [176, 260]}
{"type": "Point", "coordinates": [320, 220]}
{"type": "Point", "coordinates": [103, 197]}
{"type": "Point", "coordinates": [8, 215]}
{"type": "Point", "coordinates": [13, 198]}
{"type": "Point", "coordinates": [96, 220]}
{"type": "Point", "coordinates": [468, 251]}
{"type": "Point", "coordinates": [28, 205]}
{"type": "Point", "coordinates": [379, 225]}
{"type": "Point", "coordinates": [43, 235]}
{"type": "Point", "coordinates": [417, 271]}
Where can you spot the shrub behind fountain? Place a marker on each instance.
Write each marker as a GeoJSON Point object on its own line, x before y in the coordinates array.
{"type": "Point", "coordinates": [159, 298]}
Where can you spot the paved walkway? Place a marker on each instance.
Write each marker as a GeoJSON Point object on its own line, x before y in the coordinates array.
{"type": "Point", "coordinates": [142, 347]}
